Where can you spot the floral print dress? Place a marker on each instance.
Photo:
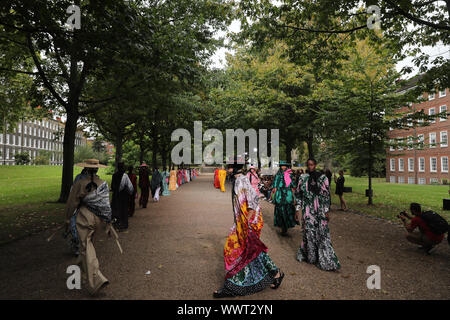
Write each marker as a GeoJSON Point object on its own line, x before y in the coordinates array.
{"type": "Point", "coordinates": [249, 268]}
{"type": "Point", "coordinates": [316, 247]}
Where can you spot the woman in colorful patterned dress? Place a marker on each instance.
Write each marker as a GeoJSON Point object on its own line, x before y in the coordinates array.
{"type": "Point", "coordinates": [316, 246]}
{"type": "Point", "coordinates": [173, 180]}
{"type": "Point", "coordinates": [254, 179]}
{"type": "Point", "coordinates": [222, 177]}
{"type": "Point", "coordinates": [283, 199]}
{"type": "Point", "coordinates": [249, 268]}
{"type": "Point", "coordinates": [165, 182]}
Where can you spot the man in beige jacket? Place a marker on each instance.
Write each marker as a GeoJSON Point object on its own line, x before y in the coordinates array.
{"type": "Point", "coordinates": [89, 201]}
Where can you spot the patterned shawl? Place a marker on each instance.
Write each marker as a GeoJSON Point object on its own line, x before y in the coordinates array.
{"type": "Point", "coordinates": [97, 202]}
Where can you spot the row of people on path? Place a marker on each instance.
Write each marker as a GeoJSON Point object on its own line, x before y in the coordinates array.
{"type": "Point", "coordinates": [89, 209]}
{"type": "Point", "coordinates": [248, 266]}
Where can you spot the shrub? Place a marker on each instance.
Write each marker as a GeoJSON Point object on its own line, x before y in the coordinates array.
{"type": "Point", "coordinates": [22, 158]}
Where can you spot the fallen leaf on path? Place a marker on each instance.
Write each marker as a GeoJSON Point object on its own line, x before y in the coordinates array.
{"type": "Point", "coordinates": [148, 272]}
{"type": "Point", "coordinates": [160, 266]}
{"type": "Point", "coordinates": [345, 276]}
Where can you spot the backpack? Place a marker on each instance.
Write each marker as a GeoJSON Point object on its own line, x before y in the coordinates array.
{"type": "Point", "coordinates": [437, 224]}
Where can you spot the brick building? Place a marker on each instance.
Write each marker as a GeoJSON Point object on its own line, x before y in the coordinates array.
{"type": "Point", "coordinates": [427, 163]}
{"type": "Point", "coordinates": [35, 137]}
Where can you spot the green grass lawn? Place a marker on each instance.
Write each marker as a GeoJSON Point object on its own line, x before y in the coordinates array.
{"type": "Point", "coordinates": [391, 198]}
{"type": "Point", "coordinates": [28, 196]}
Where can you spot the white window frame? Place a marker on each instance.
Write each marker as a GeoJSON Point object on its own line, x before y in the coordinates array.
{"type": "Point", "coordinates": [431, 96]}
{"type": "Point", "coordinates": [431, 164]}
{"type": "Point", "coordinates": [432, 112]}
{"type": "Point", "coordinates": [421, 161]}
{"type": "Point", "coordinates": [410, 162]}
{"type": "Point", "coordinates": [442, 109]}
{"type": "Point", "coordinates": [411, 180]}
{"type": "Point", "coordinates": [422, 181]}
{"type": "Point", "coordinates": [392, 179]}
{"type": "Point", "coordinates": [401, 179]}
{"type": "Point", "coordinates": [442, 164]}
{"type": "Point", "coordinates": [401, 165]}
{"type": "Point", "coordinates": [442, 93]}
{"type": "Point", "coordinates": [392, 166]}
{"type": "Point", "coordinates": [431, 140]}
{"type": "Point", "coordinates": [441, 135]}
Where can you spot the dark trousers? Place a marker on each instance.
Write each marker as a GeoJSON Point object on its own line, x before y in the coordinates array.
{"type": "Point", "coordinates": [144, 197]}
{"type": "Point", "coordinates": [132, 204]}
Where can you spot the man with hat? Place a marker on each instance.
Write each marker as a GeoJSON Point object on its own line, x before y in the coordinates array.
{"type": "Point", "coordinates": [89, 201]}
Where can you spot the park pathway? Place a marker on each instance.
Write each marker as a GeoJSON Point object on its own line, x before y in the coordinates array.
{"type": "Point", "coordinates": [180, 241]}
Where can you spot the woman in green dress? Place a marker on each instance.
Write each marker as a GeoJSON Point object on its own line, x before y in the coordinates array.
{"type": "Point", "coordinates": [283, 198]}
{"type": "Point", "coordinates": [316, 246]}
{"type": "Point", "coordinates": [165, 182]}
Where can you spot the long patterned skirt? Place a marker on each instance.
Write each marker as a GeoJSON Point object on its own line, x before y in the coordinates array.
{"type": "Point", "coordinates": [254, 277]}
{"type": "Point", "coordinates": [316, 247]}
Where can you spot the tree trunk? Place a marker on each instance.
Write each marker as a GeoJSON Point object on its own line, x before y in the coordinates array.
{"type": "Point", "coordinates": [164, 158]}
{"type": "Point", "coordinates": [119, 150]}
{"type": "Point", "coordinates": [310, 143]}
{"type": "Point", "coordinates": [155, 149]}
{"type": "Point", "coordinates": [370, 202]}
{"type": "Point", "coordinates": [70, 130]}
{"type": "Point", "coordinates": [141, 153]}
{"type": "Point", "coordinates": [288, 153]}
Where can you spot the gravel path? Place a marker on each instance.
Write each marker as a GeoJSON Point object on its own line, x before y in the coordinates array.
{"type": "Point", "coordinates": [180, 241]}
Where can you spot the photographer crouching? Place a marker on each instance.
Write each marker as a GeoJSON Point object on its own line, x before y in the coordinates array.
{"type": "Point", "coordinates": [432, 227]}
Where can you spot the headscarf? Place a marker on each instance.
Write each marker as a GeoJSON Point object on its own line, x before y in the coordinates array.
{"type": "Point", "coordinates": [287, 177]}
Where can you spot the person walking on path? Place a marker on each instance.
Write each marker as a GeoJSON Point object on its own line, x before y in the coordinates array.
{"type": "Point", "coordinates": [165, 182]}
{"type": "Point", "coordinates": [156, 184]}
{"type": "Point", "coordinates": [283, 198]}
{"type": "Point", "coordinates": [340, 189]}
{"type": "Point", "coordinates": [222, 177]}
{"type": "Point", "coordinates": [216, 178]}
{"type": "Point", "coordinates": [173, 180]}
{"type": "Point", "coordinates": [144, 184]}
{"type": "Point", "coordinates": [122, 189]}
{"type": "Point", "coordinates": [133, 179]}
{"type": "Point", "coordinates": [89, 198]}
{"type": "Point", "coordinates": [316, 247]}
{"type": "Point", "coordinates": [249, 268]}
{"type": "Point", "coordinates": [254, 179]}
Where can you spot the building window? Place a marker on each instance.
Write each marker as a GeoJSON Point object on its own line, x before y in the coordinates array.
{"type": "Point", "coordinates": [411, 180]}
{"type": "Point", "coordinates": [391, 145]}
{"type": "Point", "coordinates": [433, 164]}
{"type": "Point", "coordinates": [441, 110]}
{"type": "Point", "coordinates": [444, 164]}
{"type": "Point", "coordinates": [431, 96]}
{"type": "Point", "coordinates": [420, 141]}
{"type": "Point", "coordinates": [411, 164]}
{"type": "Point", "coordinates": [433, 140]}
{"type": "Point", "coordinates": [410, 143]}
{"type": "Point", "coordinates": [444, 139]}
{"type": "Point", "coordinates": [401, 164]}
{"type": "Point", "coordinates": [421, 164]}
{"type": "Point", "coordinates": [422, 181]}
{"type": "Point", "coordinates": [432, 112]}
{"type": "Point", "coordinates": [392, 179]}
{"type": "Point", "coordinates": [401, 179]}
{"type": "Point", "coordinates": [392, 164]}
{"type": "Point", "coordinates": [442, 93]}
{"type": "Point", "coordinates": [434, 181]}
{"type": "Point", "coordinates": [399, 147]}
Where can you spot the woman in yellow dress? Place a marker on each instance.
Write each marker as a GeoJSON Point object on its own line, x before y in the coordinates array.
{"type": "Point", "coordinates": [173, 180]}
{"type": "Point", "coordinates": [222, 177]}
